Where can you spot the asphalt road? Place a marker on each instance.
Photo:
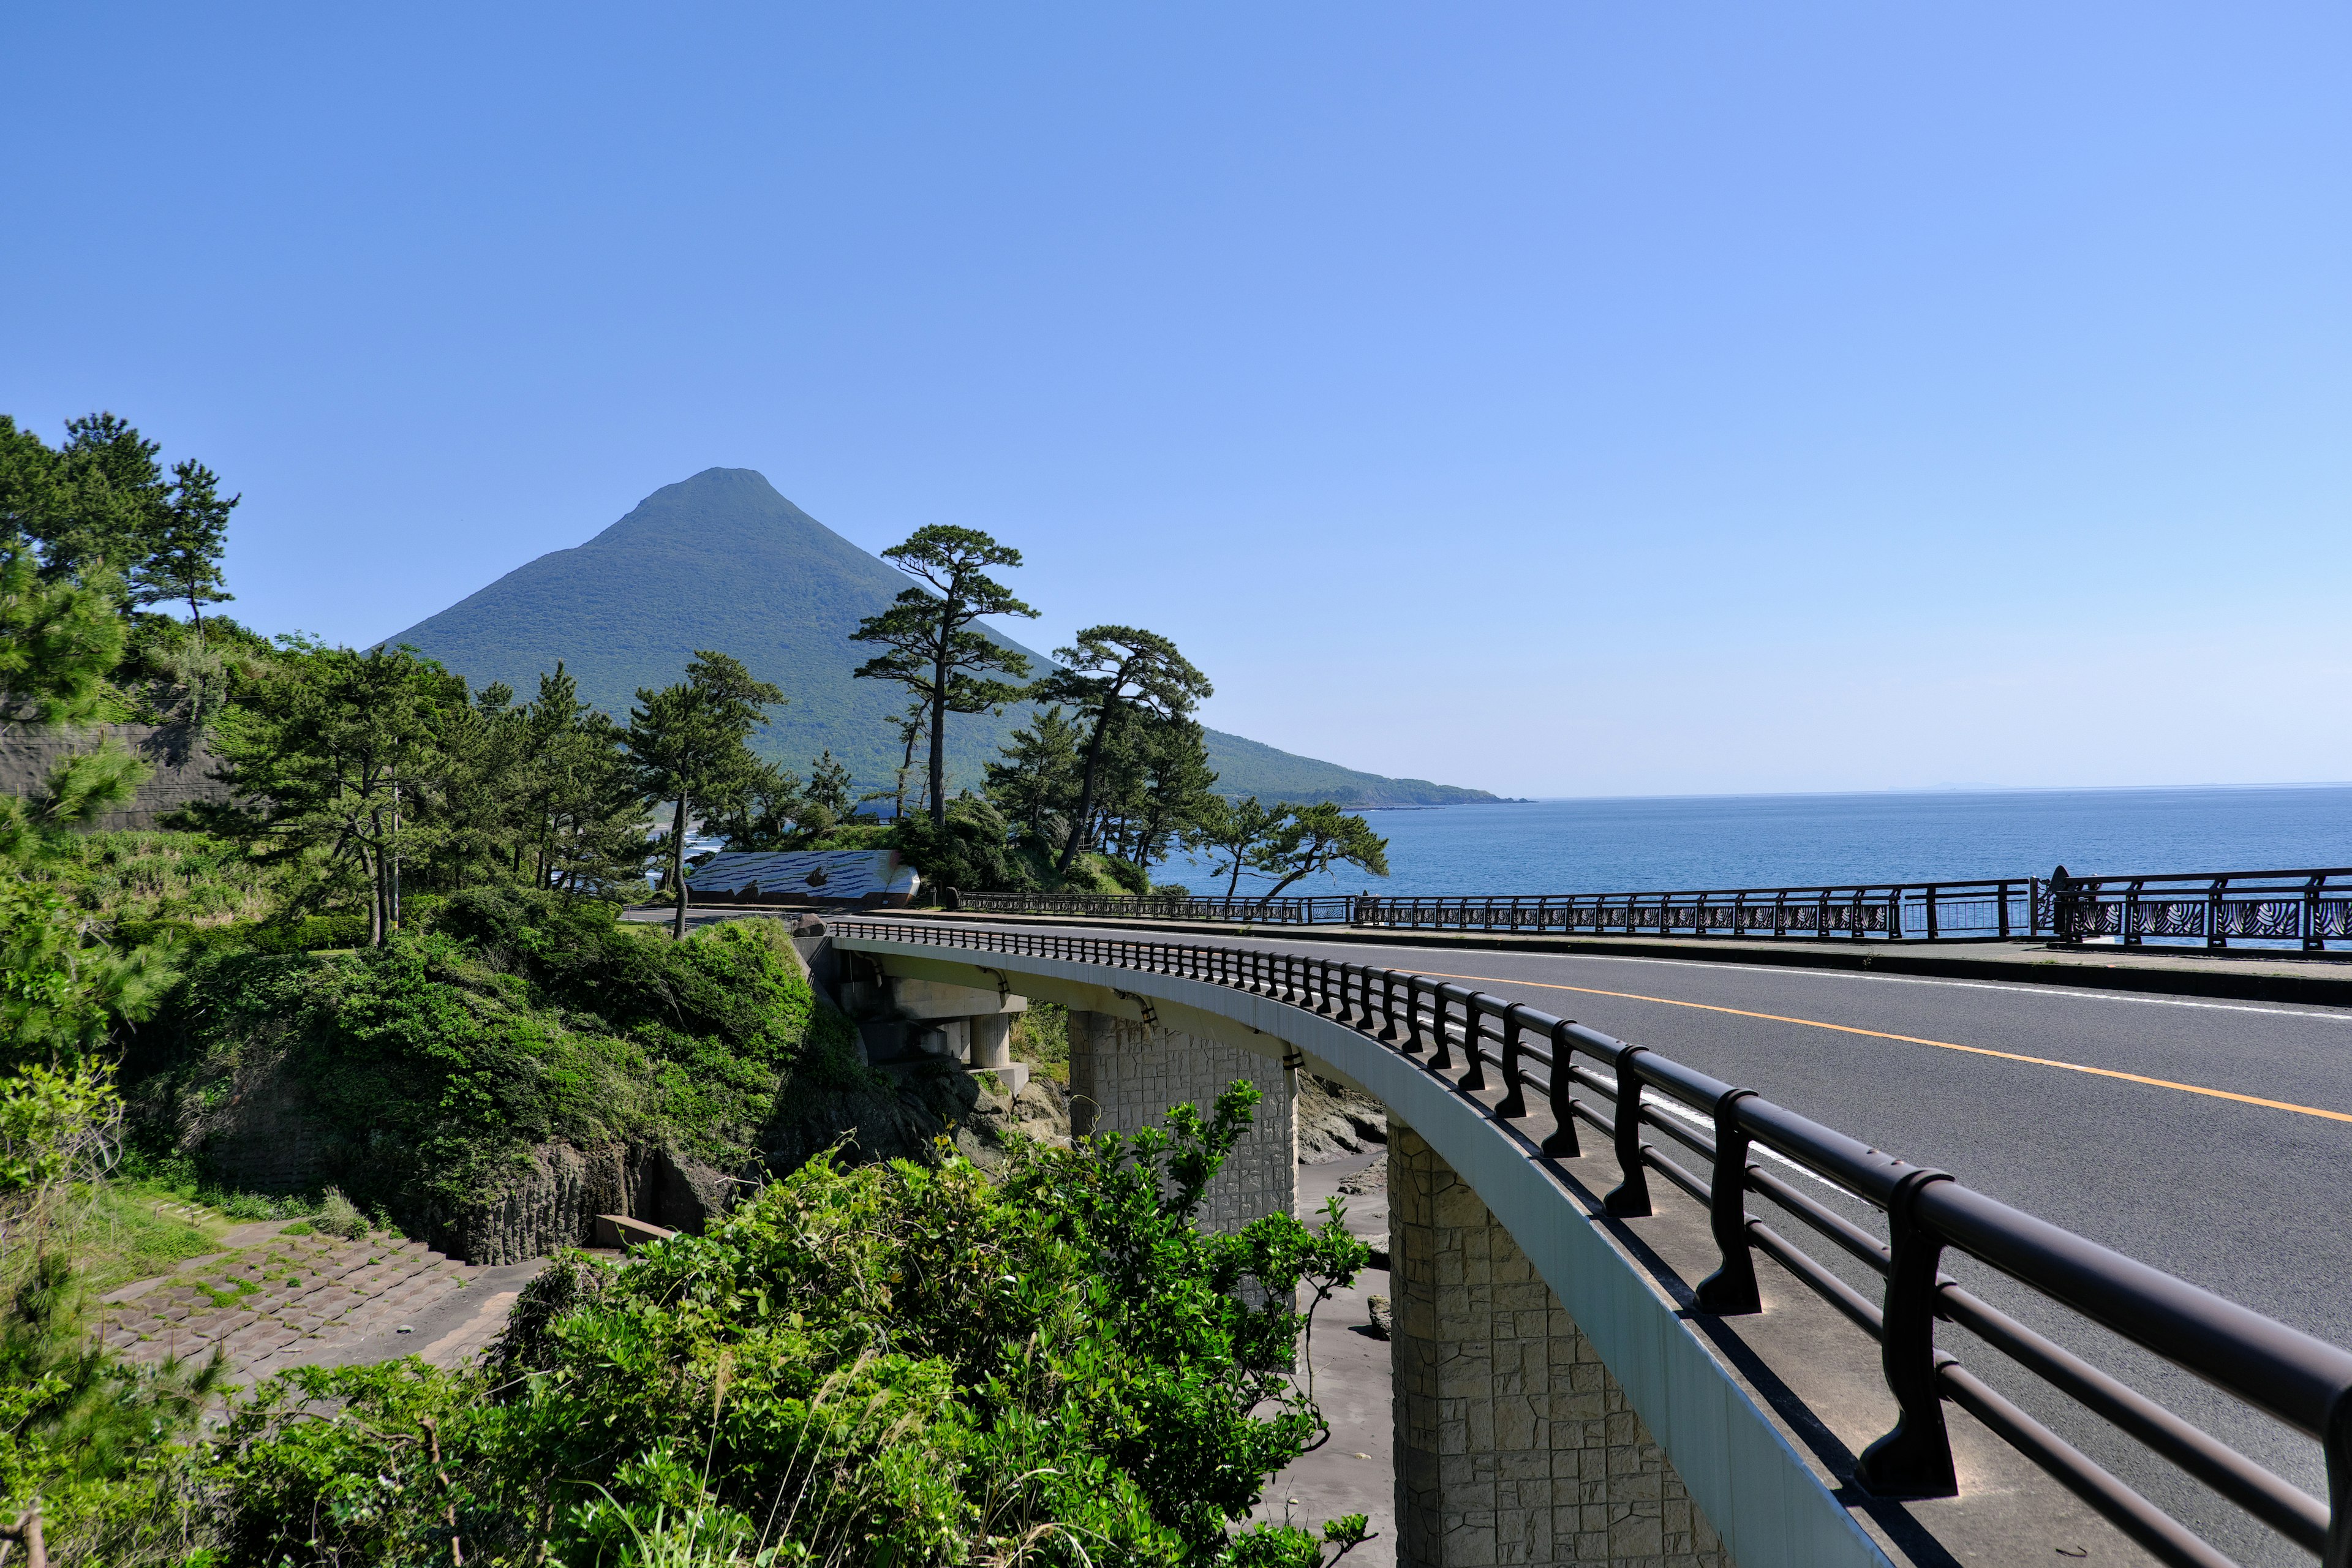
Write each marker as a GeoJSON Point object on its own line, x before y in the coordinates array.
{"type": "Point", "coordinates": [2249, 1196]}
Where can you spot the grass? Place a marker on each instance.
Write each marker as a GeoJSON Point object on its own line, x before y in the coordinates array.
{"type": "Point", "coordinates": [1041, 1036]}
{"type": "Point", "coordinates": [164, 876]}
{"type": "Point", "coordinates": [121, 1233]}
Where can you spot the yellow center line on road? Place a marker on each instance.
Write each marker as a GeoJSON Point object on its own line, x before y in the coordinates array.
{"type": "Point", "coordinates": [1915, 1040]}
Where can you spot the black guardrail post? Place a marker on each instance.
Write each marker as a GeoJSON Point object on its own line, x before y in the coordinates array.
{"type": "Point", "coordinates": [1915, 1460]}
{"type": "Point", "coordinates": [2338, 1445]}
{"type": "Point", "coordinates": [1630, 1198]}
{"type": "Point", "coordinates": [1442, 1058]}
{"type": "Point", "coordinates": [1515, 1098]}
{"type": "Point", "coordinates": [1474, 1034]}
{"type": "Point", "coordinates": [1730, 1291]}
{"type": "Point", "coordinates": [1561, 1145]}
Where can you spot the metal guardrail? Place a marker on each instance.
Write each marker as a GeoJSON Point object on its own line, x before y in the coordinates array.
{"type": "Point", "coordinates": [1453, 1030]}
{"type": "Point", "coordinates": [1932, 912]}
{"type": "Point", "coordinates": [2309, 908]}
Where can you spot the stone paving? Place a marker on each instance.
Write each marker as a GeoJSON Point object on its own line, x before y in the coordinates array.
{"type": "Point", "coordinates": [283, 1300]}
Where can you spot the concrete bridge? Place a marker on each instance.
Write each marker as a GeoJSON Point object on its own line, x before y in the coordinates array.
{"type": "Point", "coordinates": [1560, 1394]}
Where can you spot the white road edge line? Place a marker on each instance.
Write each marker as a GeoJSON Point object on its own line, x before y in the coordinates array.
{"type": "Point", "coordinates": [2079, 994]}
{"type": "Point", "coordinates": [2072, 993]}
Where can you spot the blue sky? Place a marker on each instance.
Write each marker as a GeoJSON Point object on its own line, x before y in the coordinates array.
{"type": "Point", "coordinates": [1566, 399]}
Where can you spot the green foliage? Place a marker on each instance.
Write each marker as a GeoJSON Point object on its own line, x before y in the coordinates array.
{"type": "Point", "coordinates": [343, 753]}
{"type": "Point", "coordinates": [88, 1433]}
{"type": "Point", "coordinates": [196, 879]}
{"type": "Point", "coordinates": [183, 673]}
{"type": "Point", "coordinates": [540, 794]}
{"type": "Point", "coordinates": [1112, 674]}
{"type": "Point", "coordinates": [1311, 839]}
{"type": "Point", "coordinates": [1041, 1036]}
{"type": "Point", "coordinates": [59, 641]}
{"type": "Point", "coordinates": [338, 1215]}
{"type": "Point", "coordinates": [116, 1231]}
{"type": "Point", "coordinates": [62, 988]}
{"type": "Point", "coordinates": [55, 1125]}
{"type": "Point", "coordinates": [1242, 832]}
{"type": "Point", "coordinates": [517, 1018]}
{"type": "Point", "coordinates": [298, 933]}
{"type": "Point", "coordinates": [687, 746]}
{"type": "Point", "coordinates": [776, 811]}
{"type": "Point", "coordinates": [99, 507]}
{"type": "Point", "coordinates": [1285, 843]}
{"type": "Point", "coordinates": [900, 1363]}
{"type": "Point", "coordinates": [184, 547]}
{"type": "Point", "coordinates": [970, 854]}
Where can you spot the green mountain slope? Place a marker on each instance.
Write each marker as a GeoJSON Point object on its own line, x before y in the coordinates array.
{"type": "Point", "coordinates": [721, 561]}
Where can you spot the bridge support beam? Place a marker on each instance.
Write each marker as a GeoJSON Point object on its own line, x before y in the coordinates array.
{"type": "Point", "coordinates": [1125, 1075]}
{"type": "Point", "coordinates": [1514, 1444]}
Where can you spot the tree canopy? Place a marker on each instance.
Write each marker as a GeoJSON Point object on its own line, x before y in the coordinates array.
{"type": "Point", "coordinates": [688, 745]}
{"type": "Point", "coordinates": [1108, 672]}
{"type": "Point", "coordinates": [934, 650]}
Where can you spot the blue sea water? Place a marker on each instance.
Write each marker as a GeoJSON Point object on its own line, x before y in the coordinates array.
{"type": "Point", "coordinates": [1678, 843]}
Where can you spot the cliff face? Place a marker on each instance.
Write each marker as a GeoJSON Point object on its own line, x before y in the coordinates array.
{"type": "Point", "coordinates": [183, 774]}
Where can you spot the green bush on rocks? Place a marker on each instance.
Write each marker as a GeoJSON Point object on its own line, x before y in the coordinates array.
{"type": "Point", "coordinates": [422, 1069]}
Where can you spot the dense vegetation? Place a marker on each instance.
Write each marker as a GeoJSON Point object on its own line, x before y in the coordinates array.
{"type": "Point", "coordinates": [904, 1363]}
{"type": "Point", "coordinates": [392, 972]}
{"type": "Point", "coordinates": [430, 1066]}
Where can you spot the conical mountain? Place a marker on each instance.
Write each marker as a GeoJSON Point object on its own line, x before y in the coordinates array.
{"type": "Point", "coordinates": [721, 561]}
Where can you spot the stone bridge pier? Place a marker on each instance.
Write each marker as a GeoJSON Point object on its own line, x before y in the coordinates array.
{"type": "Point", "coordinates": [1126, 1073]}
{"type": "Point", "coordinates": [1513, 1442]}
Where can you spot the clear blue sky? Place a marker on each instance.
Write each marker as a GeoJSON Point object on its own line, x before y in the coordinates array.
{"type": "Point", "coordinates": [1561, 398]}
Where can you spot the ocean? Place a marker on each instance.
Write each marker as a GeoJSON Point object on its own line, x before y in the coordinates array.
{"type": "Point", "coordinates": [1692, 842]}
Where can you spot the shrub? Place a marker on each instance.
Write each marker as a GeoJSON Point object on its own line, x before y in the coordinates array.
{"type": "Point", "coordinates": [973, 855]}
{"type": "Point", "coordinates": [432, 1064]}
{"type": "Point", "coordinates": [902, 1363]}
{"type": "Point", "coordinates": [337, 1216]}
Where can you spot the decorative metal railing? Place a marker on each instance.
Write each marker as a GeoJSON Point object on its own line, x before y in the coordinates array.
{"type": "Point", "coordinates": [1458, 1034]}
{"type": "Point", "coordinates": [2307, 907]}
{"type": "Point", "coordinates": [1325, 911]}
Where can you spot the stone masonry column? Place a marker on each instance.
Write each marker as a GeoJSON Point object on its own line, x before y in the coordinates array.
{"type": "Point", "coordinates": [1125, 1075]}
{"type": "Point", "coordinates": [1514, 1445]}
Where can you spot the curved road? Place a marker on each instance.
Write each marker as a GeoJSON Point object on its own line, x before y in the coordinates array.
{"type": "Point", "coordinates": [2212, 1140]}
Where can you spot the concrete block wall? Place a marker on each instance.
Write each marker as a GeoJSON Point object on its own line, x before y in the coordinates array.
{"type": "Point", "coordinates": [1126, 1073]}
{"type": "Point", "coordinates": [181, 775]}
{"type": "Point", "coordinates": [1514, 1443]}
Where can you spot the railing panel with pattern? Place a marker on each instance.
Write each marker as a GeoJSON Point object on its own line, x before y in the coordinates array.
{"type": "Point", "coordinates": [1249, 911]}
{"type": "Point", "coordinates": [1587, 1079]}
{"type": "Point", "coordinates": [2309, 908]}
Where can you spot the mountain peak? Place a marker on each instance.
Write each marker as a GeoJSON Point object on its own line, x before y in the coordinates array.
{"type": "Point", "coordinates": [720, 559]}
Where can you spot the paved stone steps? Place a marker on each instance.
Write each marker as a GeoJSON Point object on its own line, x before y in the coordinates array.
{"type": "Point", "coordinates": [282, 1297]}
